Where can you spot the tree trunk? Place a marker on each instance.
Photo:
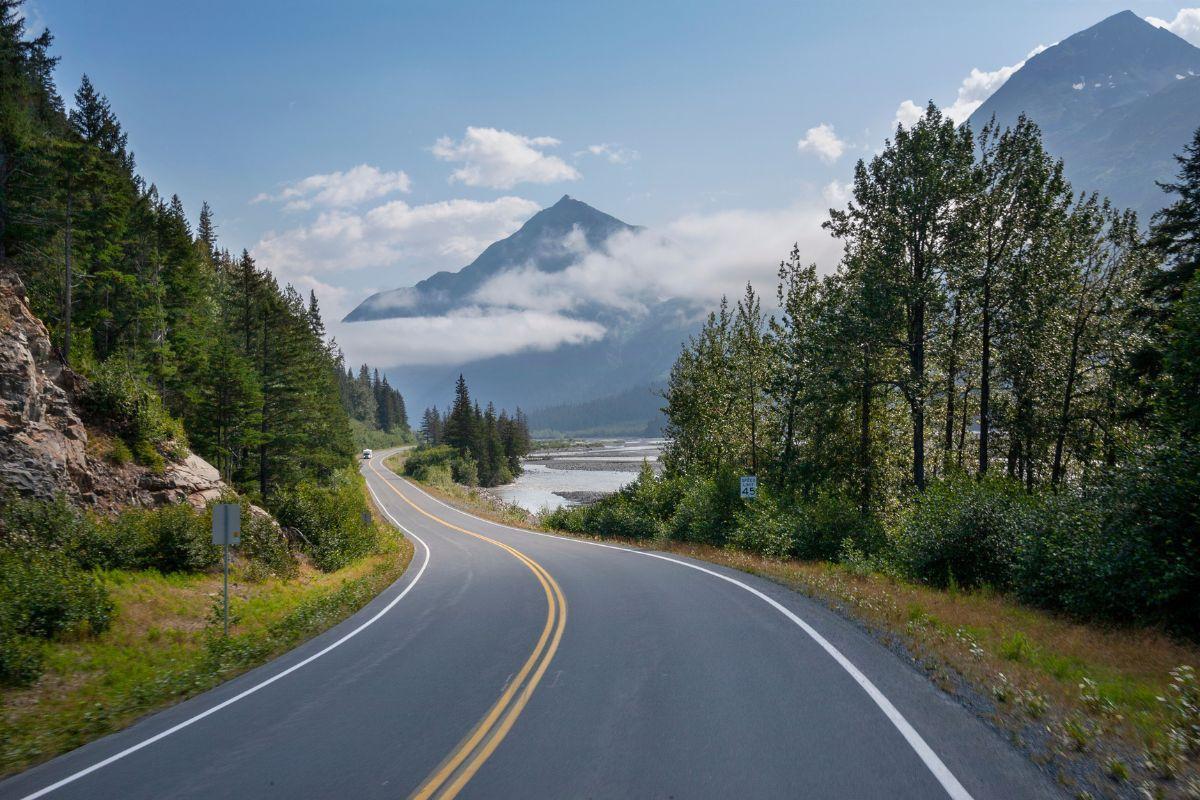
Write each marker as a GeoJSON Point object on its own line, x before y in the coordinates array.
{"type": "Point", "coordinates": [790, 428]}
{"type": "Point", "coordinates": [951, 379]}
{"type": "Point", "coordinates": [1110, 441]}
{"type": "Point", "coordinates": [962, 428]}
{"type": "Point", "coordinates": [753, 425]}
{"type": "Point", "coordinates": [985, 379]}
{"type": "Point", "coordinates": [1064, 414]}
{"type": "Point", "coordinates": [864, 440]}
{"type": "Point", "coordinates": [916, 379]}
{"type": "Point", "coordinates": [68, 299]}
{"type": "Point", "coordinates": [263, 426]}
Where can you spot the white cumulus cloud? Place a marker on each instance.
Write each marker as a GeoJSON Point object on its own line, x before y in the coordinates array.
{"type": "Point", "coordinates": [459, 337]}
{"type": "Point", "coordinates": [697, 257]}
{"type": "Point", "coordinates": [501, 159]}
{"type": "Point", "coordinates": [907, 114]}
{"type": "Point", "coordinates": [409, 240]}
{"type": "Point", "coordinates": [339, 189]}
{"type": "Point", "coordinates": [977, 87]}
{"type": "Point", "coordinates": [1186, 24]}
{"type": "Point", "coordinates": [823, 141]}
{"type": "Point", "coordinates": [836, 193]}
{"type": "Point", "coordinates": [613, 153]}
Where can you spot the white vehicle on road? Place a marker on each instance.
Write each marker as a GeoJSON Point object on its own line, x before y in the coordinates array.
{"type": "Point", "coordinates": [367, 453]}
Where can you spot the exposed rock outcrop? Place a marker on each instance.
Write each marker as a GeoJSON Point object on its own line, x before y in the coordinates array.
{"type": "Point", "coordinates": [44, 440]}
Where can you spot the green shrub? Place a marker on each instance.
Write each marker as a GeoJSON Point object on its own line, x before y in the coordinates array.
{"type": "Point", "coordinates": [125, 403]}
{"type": "Point", "coordinates": [767, 527]}
{"type": "Point", "coordinates": [168, 539]}
{"type": "Point", "coordinates": [818, 529]}
{"type": "Point", "coordinates": [119, 452]}
{"type": "Point", "coordinates": [57, 525]}
{"type": "Point", "coordinates": [965, 532]}
{"type": "Point", "coordinates": [1136, 559]}
{"type": "Point", "coordinates": [44, 594]}
{"type": "Point", "coordinates": [21, 658]}
{"type": "Point", "coordinates": [635, 512]}
{"type": "Point", "coordinates": [465, 471]}
{"type": "Point", "coordinates": [265, 546]}
{"type": "Point", "coordinates": [433, 464]}
{"type": "Point", "coordinates": [1057, 559]}
{"type": "Point", "coordinates": [617, 518]}
{"type": "Point", "coordinates": [706, 509]}
{"type": "Point", "coordinates": [330, 519]}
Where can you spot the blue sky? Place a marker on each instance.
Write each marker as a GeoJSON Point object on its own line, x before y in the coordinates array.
{"type": "Point", "coordinates": [693, 109]}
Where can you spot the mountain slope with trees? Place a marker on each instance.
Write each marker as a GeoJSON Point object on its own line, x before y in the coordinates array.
{"type": "Point", "coordinates": [156, 343]}
{"type": "Point", "coordinates": [137, 301]}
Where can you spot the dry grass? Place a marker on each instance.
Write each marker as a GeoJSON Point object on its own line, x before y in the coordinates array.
{"type": "Point", "coordinates": [163, 646]}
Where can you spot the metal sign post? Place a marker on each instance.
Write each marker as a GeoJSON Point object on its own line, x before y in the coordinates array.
{"type": "Point", "coordinates": [749, 487]}
{"type": "Point", "coordinates": [226, 530]}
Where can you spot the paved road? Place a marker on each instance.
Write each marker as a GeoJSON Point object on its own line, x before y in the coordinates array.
{"type": "Point", "coordinates": [507, 664]}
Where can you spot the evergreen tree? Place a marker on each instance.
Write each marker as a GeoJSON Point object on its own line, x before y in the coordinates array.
{"type": "Point", "coordinates": [460, 427]}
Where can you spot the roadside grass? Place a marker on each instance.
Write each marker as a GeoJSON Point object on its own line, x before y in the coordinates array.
{"type": "Point", "coordinates": [165, 645]}
{"type": "Point", "coordinates": [1089, 703]}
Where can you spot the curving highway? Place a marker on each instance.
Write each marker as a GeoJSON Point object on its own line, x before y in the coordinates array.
{"type": "Point", "coordinates": [511, 664]}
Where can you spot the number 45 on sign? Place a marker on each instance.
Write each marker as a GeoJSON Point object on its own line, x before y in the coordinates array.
{"type": "Point", "coordinates": [749, 487]}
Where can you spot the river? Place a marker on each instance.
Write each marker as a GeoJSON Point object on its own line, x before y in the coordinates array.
{"type": "Point", "coordinates": [580, 473]}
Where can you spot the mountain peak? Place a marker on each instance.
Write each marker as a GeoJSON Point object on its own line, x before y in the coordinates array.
{"type": "Point", "coordinates": [545, 242]}
{"type": "Point", "coordinates": [1115, 101]}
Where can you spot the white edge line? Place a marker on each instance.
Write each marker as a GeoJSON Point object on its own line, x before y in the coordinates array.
{"type": "Point", "coordinates": [931, 760]}
{"type": "Point", "coordinates": [246, 693]}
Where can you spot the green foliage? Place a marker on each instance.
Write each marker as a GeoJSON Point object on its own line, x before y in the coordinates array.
{"type": "Point", "coordinates": [820, 529]}
{"type": "Point", "coordinates": [366, 436]}
{"type": "Point", "coordinates": [490, 445]}
{"type": "Point", "coordinates": [441, 465]}
{"type": "Point", "coordinates": [330, 519]}
{"type": "Point", "coordinates": [127, 406]}
{"type": "Point", "coordinates": [706, 510]}
{"type": "Point", "coordinates": [168, 539]}
{"type": "Point", "coordinates": [46, 594]}
{"type": "Point", "coordinates": [28, 525]}
{"type": "Point", "coordinates": [264, 544]}
{"type": "Point", "coordinates": [965, 532]}
{"type": "Point", "coordinates": [21, 657]}
{"type": "Point", "coordinates": [377, 411]}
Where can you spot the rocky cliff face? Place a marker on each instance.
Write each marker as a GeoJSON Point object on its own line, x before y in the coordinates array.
{"type": "Point", "coordinates": [44, 442]}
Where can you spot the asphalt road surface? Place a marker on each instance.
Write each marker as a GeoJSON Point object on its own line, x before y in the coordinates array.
{"type": "Point", "coordinates": [510, 664]}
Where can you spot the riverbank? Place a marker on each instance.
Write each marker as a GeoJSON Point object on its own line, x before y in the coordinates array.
{"type": "Point", "coordinates": [577, 474]}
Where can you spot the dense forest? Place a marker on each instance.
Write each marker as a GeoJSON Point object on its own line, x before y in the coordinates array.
{"type": "Point", "coordinates": [165, 323]}
{"type": "Point", "coordinates": [182, 345]}
{"type": "Point", "coordinates": [999, 385]}
{"type": "Point", "coordinates": [377, 411]}
{"type": "Point", "coordinates": [471, 446]}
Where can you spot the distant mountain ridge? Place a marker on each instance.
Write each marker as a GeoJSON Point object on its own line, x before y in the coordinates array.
{"type": "Point", "coordinates": [542, 242]}
{"type": "Point", "coordinates": [1116, 102]}
{"type": "Point", "coordinates": [604, 385]}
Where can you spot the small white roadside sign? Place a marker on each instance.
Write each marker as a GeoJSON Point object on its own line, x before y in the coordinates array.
{"type": "Point", "coordinates": [749, 487]}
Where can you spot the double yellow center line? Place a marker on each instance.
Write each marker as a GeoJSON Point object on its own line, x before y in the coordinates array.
{"type": "Point", "coordinates": [448, 779]}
